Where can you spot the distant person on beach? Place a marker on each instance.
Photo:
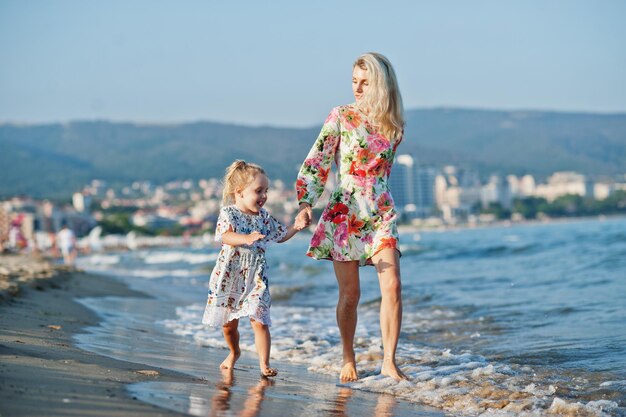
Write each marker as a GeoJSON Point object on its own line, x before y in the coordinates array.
{"type": "Point", "coordinates": [358, 226]}
{"type": "Point", "coordinates": [67, 244]}
{"type": "Point", "coordinates": [239, 286]}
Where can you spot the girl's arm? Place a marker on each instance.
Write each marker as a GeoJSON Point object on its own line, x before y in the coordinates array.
{"type": "Point", "coordinates": [291, 231]}
{"type": "Point", "coordinates": [237, 239]}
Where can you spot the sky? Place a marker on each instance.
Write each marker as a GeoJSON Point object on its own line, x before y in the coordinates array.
{"type": "Point", "coordinates": [287, 63]}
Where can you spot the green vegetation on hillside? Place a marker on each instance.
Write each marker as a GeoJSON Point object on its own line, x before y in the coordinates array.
{"type": "Point", "coordinates": [55, 160]}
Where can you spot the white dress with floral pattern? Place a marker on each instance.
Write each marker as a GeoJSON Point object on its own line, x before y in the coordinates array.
{"type": "Point", "coordinates": [238, 286]}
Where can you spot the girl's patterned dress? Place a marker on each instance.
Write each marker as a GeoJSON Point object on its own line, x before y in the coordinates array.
{"type": "Point", "coordinates": [360, 218]}
{"type": "Point", "coordinates": [238, 286]}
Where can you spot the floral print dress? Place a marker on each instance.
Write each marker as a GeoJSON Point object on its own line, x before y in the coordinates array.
{"type": "Point", "coordinates": [238, 286]}
{"type": "Point", "coordinates": [360, 218]}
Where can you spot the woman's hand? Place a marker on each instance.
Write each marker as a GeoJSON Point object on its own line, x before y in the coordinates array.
{"type": "Point", "coordinates": [304, 217]}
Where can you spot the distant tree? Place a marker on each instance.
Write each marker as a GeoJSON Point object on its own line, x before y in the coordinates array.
{"type": "Point", "coordinates": [120, 224]}
{"type": "Point", "coordinates": [530, 206]}
{"type": "Point", "coordinates": [497, 210]}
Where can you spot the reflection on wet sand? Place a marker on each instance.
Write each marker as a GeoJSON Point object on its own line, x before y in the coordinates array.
{"type": "Point", "coordinates": [339, 405]}
{"type": "Point", "coordinates": [221, 400]}
{"type": "Point", "coordinates": [220, 403]}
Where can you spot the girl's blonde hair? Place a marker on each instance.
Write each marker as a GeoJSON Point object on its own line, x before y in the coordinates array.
{"type": "Point", "coordinates": [238, 175]}
{"type": "Point", "coordinates": [382, 101]}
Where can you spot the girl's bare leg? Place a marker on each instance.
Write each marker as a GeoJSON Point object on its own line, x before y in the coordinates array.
{"type": "Point", "coordinates": [231, 336]}
{"type": "Point", "coordinates": [263, 343]}
{"type": "Point", "coordinates": [387, 263]}
{"type": "Point", "coordinates": [347, 274]}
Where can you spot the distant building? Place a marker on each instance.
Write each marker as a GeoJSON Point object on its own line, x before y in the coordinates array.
{"type": "Point", "coordinates": [563, 183]}
{"type": "Point", "coordinates": [81, 202]}
{"type": "Point", "coordinates": [412, 187]}
{"type": "Point", "coordinates": [457, 193]}
{"type": "Point", "coordinates": [425, 191]}
{"type": "Point", "coordinates": [521, 187]}
{"type": "Point", "coordinates": [602, 190]}
{"type": "Point", "coordinates": [402, 181]}
{"type": "Point", "coordinates": [527, 186]}
{"type": "Point", "coordinates": [496, 191]}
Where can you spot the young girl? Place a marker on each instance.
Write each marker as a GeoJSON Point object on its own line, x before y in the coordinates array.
{"type": "Point", "coordinates": [238, 286]}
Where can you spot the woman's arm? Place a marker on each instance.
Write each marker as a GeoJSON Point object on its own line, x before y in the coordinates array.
{"type": "Point", "coordinates": [316, 166]}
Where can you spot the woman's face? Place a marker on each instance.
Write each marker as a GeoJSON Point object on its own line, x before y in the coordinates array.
{"type": "Point", "coordinates": [360, 82]}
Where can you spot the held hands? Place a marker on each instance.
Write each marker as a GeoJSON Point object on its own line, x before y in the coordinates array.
{"type": "Point", "coordinates": [304, 217]}
{"type": "Point", "coordinates": [253, 237]}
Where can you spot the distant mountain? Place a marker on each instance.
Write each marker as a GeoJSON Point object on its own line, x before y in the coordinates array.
{"type": "Point", "coordinates": [53, 160]}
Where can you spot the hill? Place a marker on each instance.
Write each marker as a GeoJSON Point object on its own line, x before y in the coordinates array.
{"type": "Point", "coordinates": [53, 160]}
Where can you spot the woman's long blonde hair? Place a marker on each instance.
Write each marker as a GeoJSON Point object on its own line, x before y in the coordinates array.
{"type": "Point", "coordinates": [382, 102]}
{"type": "Point", "coordinates": [238, 175]}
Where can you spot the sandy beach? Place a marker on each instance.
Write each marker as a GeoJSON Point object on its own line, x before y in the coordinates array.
{"type": "Point", "coordinates": [42, 372]}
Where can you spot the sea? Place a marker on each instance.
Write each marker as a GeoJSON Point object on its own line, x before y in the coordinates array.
{"type": "Point", "coordinates": [517, 319]}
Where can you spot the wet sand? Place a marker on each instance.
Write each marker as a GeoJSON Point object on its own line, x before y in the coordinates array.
{"type": "Point", "coordinates": [42, 372]}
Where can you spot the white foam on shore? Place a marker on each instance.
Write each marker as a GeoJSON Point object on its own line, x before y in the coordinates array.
{"type": "Point", "coordinates": [458, 382]}
{"type": "Point", "coordinates": [154, 274]}
{"type": "Point", "coordinates": [172, 257]}
{"type": "Point", "coordinates": [148, 274]}
{"type": "Point", "coordinates": [98, 259]}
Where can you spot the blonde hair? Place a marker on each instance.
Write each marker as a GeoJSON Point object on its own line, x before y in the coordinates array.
{"type": "Point", "coordinates": [382, 101]}
{"type": "Point", "coordinates": [238, 175]}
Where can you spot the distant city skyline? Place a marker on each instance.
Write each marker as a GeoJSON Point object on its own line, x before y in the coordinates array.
{"type": "Point", "coordinates": [286, 64]}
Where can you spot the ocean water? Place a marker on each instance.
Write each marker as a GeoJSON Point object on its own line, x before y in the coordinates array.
{"type": "Point", "coordinates": [520, 320]}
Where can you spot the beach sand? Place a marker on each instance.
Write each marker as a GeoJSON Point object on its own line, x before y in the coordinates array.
{"type": "Point", "coordinates": [42, 372]}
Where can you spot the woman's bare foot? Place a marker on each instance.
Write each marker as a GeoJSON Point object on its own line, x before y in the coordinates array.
{"type": "Point", "coordinates": [390, 369]}
{"type": "Point", "coordinates": [267, 372]}
{"type": "Point", "coordinates": [230, 360]}
{"type": "Point", "coordinates": [348, 373]}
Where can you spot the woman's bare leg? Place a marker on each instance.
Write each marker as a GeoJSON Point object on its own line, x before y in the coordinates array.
{"type": "Point", "coordinates": [347, 274]}
{"type": "Point", "coordinates": [387, 263]}
{"type": "Point", "coordinates": [231, 336]}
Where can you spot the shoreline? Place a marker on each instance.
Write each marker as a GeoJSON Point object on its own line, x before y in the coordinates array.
{"type": "Point", "coordinates": [44, 372]}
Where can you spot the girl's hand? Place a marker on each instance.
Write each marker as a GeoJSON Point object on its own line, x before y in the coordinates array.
{"type": "Point", "coordinates": [253, 237]}
{"type": "Point", "coordinates": [304, 217]}
{"type": "Point", "coordinates": [299, 223]}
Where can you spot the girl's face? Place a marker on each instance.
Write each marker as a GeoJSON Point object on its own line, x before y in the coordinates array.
{"type": "Point", "coordinates": [253, 196]}
{"type": "Point", "coordinates": [360, 82]}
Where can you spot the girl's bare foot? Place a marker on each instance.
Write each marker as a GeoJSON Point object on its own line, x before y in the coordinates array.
{"type": "Point", "coordinates": [390, 369]}
{"type": "Point", "coordinates": [230, 360]}
{"type": "Point", "coordinates": [348, 373]}
{"type": "Point", "coordinates": [267, 372]}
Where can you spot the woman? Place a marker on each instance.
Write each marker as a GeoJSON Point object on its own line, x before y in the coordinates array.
{"type": "Point", "coordinates": [358, 226]}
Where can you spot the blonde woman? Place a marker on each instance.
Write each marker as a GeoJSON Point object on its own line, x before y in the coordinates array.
{"type": "Point", "coordinates": [358, 226]}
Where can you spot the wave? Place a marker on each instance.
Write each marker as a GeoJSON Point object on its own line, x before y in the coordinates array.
{"type": "Point", "coordinates": [172, 257]}
{"type": "Point", "coordinates": [98, 259]}
{"type": "Point", "coordinates": [456, 381]}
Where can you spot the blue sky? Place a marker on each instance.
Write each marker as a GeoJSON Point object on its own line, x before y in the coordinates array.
{"type": "Point", "coordinates": [286, 63]}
